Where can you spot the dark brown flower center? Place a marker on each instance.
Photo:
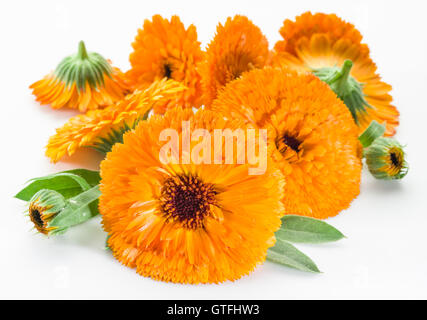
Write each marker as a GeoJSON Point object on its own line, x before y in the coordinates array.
{"type": "Point", "coordinates": [185, 198]}
{"type": "Point", "coordinates": [36, 217]}
{"type": "Point", "coordinates": [287, 141]}
{"type": "Point", "coordinates": [167, 69]}
{"type": "Point", "coordinates": [394, 158]}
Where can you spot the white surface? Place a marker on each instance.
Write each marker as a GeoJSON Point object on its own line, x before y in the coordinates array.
{"type": "Point", "coordinates": [385, 255]}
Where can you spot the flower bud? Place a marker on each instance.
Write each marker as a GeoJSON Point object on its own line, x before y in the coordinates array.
{"type": "Point", "coordinates": [386, 160]}
{"type": "Point", "coordinates": [44, 206]}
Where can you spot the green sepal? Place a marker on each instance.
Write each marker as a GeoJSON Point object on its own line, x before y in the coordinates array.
{"type": "Point", "coordinates": [76, 211]}
{"type": "Point", "coordinates": [307, 230]}
{"type": "Point", "coordinates": [286, 254]}
{"type": "Point", "coordinates": [346, 87]}
{"type": "Point", "coordinates": [68, 183]}
{"type": "Point", "coordinates": [53, 202]}
{"type": "Point", "coordinates": [83, 67]}
{"type": "Point", "coordinates": [374, 131]}
{"type": "Point", "coordinates": [105, 144]}
{"type": "Point", "coordinates": [107, 247]}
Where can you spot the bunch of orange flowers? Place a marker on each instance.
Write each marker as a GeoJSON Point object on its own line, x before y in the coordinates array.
{"type": "Point", "coordinates": [316, 94]}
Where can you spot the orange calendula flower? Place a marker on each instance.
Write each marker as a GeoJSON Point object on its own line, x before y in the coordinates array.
{"type": "Point", "coordinates": [101, 129]}
{"type": "Point", "coordinates": [186, 223]}
{"type": "Point", "coordinates": [165, 49]}
{"type": "Point", "coordinates": [331, 48]}
{"type": "Point", "coordinates": [308, 24]}
{"type": "Point", "coordinates": [237, 47]}
{"type": "Point", "coordinates": [84, 81]}
{"type": "Point", "coordinates": [314, 146]}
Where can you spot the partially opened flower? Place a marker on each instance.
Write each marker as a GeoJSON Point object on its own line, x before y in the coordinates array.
{"type": "Point", "coordinates": [237, 47]}
{"type": "Point", "coordinates": [43, 207]}
{"type": "Point", "coordinates": [311, 132]}
{"type": "Point", "coordinates": [331, 48]}
{"type": "Point", "coordinates": [186, 223]}
{"type": "Point", "coordinates": [386, 160]}
{"type": "Point", "coordinates": [101, 129]}
{"type": "Point", "coordinates": [166, 49]}
{"type": "Point", "coordinates": [84, 81]}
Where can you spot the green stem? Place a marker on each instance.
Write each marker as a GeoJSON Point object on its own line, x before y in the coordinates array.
{"type": "Point", "coordinates": [86, 197]}
{"type": "Point", "coordinates": [343, 74]}
{"type": "Point", "coordinates": [371, 133]}
{"type": "Point", "coordinates": [82, 53]}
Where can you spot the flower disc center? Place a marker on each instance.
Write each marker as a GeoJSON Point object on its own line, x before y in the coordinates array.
{"type": "Point", "coordinates": [37, 218]}
{"type": "Point", "coordinates": [187, 199]}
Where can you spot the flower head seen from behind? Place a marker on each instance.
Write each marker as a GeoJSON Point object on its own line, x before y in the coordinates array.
{"type": "Point", "coordinates": [83, 81]}
{"type": "Point", "coordinates": [101, 129]}
{"type": "Point", "coordinates": [307, 24]}
{"type": "Point", "coordinates": [386, 159]}
{"type": "Point", "coordinates": [315, 147]}
{"type": "Point", "coordinates": [331, 48]}
{"type": "Point", "coordinates": [186, 223]}
{"type": "Point", "coordinates": [166, 49]}
{"type": "Point", "coordinates": [237, 47]}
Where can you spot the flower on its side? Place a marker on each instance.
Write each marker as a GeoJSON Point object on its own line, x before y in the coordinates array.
{"type": "Point", "coordinates": [101, 129]}
{"type": "Point", "coordinates": [315, 147]}
{"type": "Point", "coordinates": [43, 207]}
{"type": "Point", "coordinates": [237, 47]}
{"type": "Point", "coordinates": [322, 44]}
{"type": "Point", "coordinates": [386, 160]}
{"type": "Point", "coordinates": [166, 49]}
{"type": "Point", "coordinates": [308, 24]}
{"type": "Point", "coordinates": [186, 223]}
{"type": "Point", "coordinates": [84, 81]}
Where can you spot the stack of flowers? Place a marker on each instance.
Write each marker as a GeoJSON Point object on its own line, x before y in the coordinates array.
{"type": "Point", "coordinates": [218, 159]}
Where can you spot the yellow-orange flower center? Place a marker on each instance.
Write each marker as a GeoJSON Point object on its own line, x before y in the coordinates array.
{"type": "Point", "coordinates": [187, 199]}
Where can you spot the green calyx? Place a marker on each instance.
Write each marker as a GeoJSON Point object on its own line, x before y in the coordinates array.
{"type": "Point", "coordinates": [374, 131]}
{"type": "Point", "coordinates": [386, 159]}
{"type": "Point", "coordinates": [83, 67]}
{"type": "Point", "coordinates": [346, 87]}
{"type": "Point", "coordinates": [105, 144]}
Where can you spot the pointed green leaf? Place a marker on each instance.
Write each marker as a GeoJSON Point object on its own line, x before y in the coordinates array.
{"type": "Point", "coordinates": [307, 230]}
{"type": "Point", "coordinates": [286, 254]}
{"type": "Point", "coordinates": [68, 183]}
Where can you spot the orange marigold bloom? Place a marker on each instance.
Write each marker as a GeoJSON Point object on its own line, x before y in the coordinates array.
{"type": "Point", "coordinates": [308, 24]}
{"type": "Point", "coordinates": [321, 44]}
{"type": "Point", "coordinates": [238, 46]}
{"type": "Point", "coordinates": [104, 127]}
{"type": "Point", "coordinates": [84, 81]}
{"type": "Point", "coordinates": [186, 223]}
{"type": "Point", "coordinates": [315, 147]}
{"type": "Point", "coordinates": [165, 49]}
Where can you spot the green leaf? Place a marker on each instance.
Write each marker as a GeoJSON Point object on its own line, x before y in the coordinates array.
{"type": "Point", "coordinates": [68, 183]}
{"type": "Point", "coordinates": [286, 254]}
{"type": "Point", "coordinates": [77, 209]}
{"type": "Point", "coordinates": [307, 230]}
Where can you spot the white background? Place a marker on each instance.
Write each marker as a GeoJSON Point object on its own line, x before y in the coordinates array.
{"type": "Point", "coordinates": [385, 253]}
